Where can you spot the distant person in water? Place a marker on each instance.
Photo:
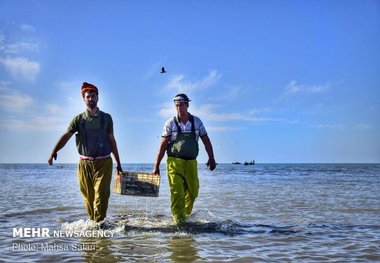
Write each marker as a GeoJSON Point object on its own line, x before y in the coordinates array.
{"type": "Point", "coordinates": [180, 142]}
{"type": "Point", "coordinates": [95, 142]}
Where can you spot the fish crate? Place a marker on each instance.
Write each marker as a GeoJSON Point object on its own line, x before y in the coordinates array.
{"type": "Point", "coordinates": [137, 183]}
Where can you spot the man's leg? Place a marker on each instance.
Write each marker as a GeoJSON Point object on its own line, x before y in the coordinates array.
{"type": "Point", "coordinates": [176, 183]}
{"type": "Point", "coordinates": [85, 178]}
{"type": "Point", "coordinates": [192, 185]}
{"type": "Point", "coordinates": [102, 182]}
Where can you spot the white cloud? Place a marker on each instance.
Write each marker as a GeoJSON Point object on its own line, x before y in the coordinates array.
{"type": "Point", "coordinates": [20, 47]}
{"type": "Point", "coordinates": [21, 68]}
{"type": "Point", "coordinates": [40, 124]}
{"type": "Point", "coordinates": [167, 110]}
{"type": "Point", "coordinates": [210, 112]}
{"type": "Point", "coordinates": [232, 93]}
{"type": "Point", "coordinates": [244, 117]}
{"type": "Point", "coordinates": [176, 84]}
{"type": "Point", "coordinates": [52, 108]}
{"type": "Point", "coordinates": [223, 129]}
{"type": "Point", "coordinates": [260, 110]}
{"type": "Point", "coordinates": [204, 112]}
{"type": "Point", "coordinates": [27, 28]}
{"type": "Point", "coordinates": [363, 127]}
{"type": "Point", "coordinates": [236, 92]}
{"type": "Point", "coordinates": [12, 125]}
{"type": "Point", "coordinates": [360, 126]}
{"type": "Point", "coordinates": [14, 101]}
{"type": "Point", "coordinates": [14, 54]}
{"type": "Point", "coordinates": [68, 85]}
{"type": "Point", "coordinates": [293, 87]}
{"type": "Point", "coordinates": [209, 80]}
{"type": "Point", "coordinates": [2, 40]}
{"type": "Point", "coordinates": [35, 116]}
{"type": "Point", "coordinates": [329, 126]}
{"type": "Point", "coordinates": [319, 88]}
{"type": "Point", "coordinates": [179, 84]}
{"type": "Point", "coordinates": [230, 117]}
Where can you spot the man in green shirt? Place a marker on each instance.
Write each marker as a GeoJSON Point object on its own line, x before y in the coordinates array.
{"type": "Point", "coordinates": [95, 142]}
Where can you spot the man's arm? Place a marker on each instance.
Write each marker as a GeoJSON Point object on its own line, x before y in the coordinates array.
{"type": "Point", "coordinates": [115, 152]}
{"type": "Point", "coordinates": [160, 154]}
{"type": "Point", "coordinates": [60, 144]}
{"type": "Point", "coordinates": [208, 146]}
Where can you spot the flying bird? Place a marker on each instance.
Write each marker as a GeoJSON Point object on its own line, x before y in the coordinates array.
{"type": "Point", "coordinates": [163, 70]}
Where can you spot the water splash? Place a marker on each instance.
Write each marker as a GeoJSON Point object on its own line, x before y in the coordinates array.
{"type": "Point", "coordinates": [201, 222]}
{"type": "Point", "coordinates": [90, 225]}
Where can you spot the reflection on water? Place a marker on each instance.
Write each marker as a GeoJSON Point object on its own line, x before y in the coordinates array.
{"type": "Point", "coordinates": [183, 249]}
{"type": "Point", "coordinates": [96, 250]}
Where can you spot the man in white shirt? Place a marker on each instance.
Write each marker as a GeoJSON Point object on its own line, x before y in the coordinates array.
{"type": "Point", "coordinates": [180, 141]}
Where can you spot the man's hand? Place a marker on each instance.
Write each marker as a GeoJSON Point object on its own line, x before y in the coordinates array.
{"type": "Point", "coordinates": [211, 164]}
{"type": "Point", "coordinates": [118, 178]}
{"type": "Point", "coordinates": [156, 171]}
{"type": "Point", "coordinates": [119, 169]}
{"type": "Point", "coordinates": [52, 156]}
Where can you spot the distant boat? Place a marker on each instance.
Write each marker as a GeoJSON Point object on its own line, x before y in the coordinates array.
{"type": "Point", "coordinates": [246, 163]}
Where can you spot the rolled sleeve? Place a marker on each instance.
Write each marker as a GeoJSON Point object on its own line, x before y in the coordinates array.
{"type": "Point", "coordinates": [73, 126]}
{"type": "Point", "coordinates": [167, 129]}
{"type": "Point", "coordinates": [109, 124]}
{"type": "Point", "coordinates": [202, 130]}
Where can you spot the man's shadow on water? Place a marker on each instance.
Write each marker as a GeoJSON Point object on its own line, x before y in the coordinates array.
{"type": "Point", "coordinates": [228, 228]}
{"type": "Point", "coordinates": [235, 228]}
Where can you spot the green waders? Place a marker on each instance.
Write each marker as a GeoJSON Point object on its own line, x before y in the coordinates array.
{"type": "Point", "coordinates": [184, 186]}
{"type": "Point", "coordinates": [94, 181]}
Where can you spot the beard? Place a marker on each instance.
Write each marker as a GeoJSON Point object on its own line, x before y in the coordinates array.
{"type": "Point", "coordinates": [91, 105]}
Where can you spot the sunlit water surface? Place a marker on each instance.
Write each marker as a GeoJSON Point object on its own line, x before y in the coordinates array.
{"type": "Point", "coordinates": [260, 213]}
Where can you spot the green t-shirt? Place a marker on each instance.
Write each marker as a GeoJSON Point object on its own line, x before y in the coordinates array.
{"type": "Point", "coordinates": [92, 122]}
{"type": "Point", "coordinates": [92, 132]}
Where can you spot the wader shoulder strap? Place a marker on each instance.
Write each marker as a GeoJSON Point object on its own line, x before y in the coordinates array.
{"type": "Point", "coordinates": [192, 123]}
{"type": "Point", "coordinates": [177, 124]}
{"type": "Point", "coordinates": [102, 119]}
{"type": "Point", "coordinates": [80, 137]}
{"type": "Point", "coordinates": [81, 124]}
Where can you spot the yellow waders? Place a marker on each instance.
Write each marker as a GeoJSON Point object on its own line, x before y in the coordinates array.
{"type": "Point", "coordinates": [94, 181]}
{"type": "Point", "coordinates": [184, 186]}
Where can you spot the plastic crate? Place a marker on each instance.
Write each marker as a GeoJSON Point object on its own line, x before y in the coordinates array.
{"type": "Point", "coordinates": [137, 183]}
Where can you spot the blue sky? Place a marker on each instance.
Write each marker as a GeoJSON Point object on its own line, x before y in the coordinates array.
{"type": "Point", "coordinates": [273, 81]}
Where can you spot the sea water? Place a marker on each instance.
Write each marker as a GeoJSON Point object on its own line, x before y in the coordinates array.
{"type": "Point", "coordinates": [255, 213]}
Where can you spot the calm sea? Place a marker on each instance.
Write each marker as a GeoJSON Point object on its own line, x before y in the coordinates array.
{"type": "Point", "coordinates": [260, 213]}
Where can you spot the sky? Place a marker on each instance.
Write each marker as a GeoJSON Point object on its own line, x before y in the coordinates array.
{"type": "Point", "coordinates": [272, 81]}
